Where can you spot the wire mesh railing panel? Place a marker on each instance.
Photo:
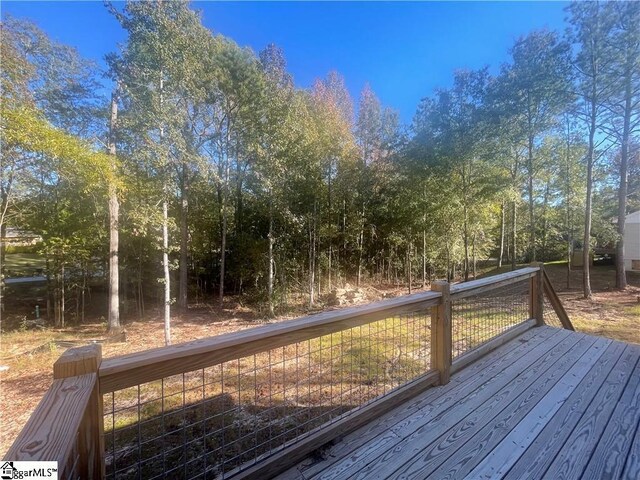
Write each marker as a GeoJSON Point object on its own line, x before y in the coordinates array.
{"type": "Point", "coordinates": [478, 318]}
{"type": "Point", "coordinates": [209, 422]}
{"type": "Point", "coordinates": [550, 316]}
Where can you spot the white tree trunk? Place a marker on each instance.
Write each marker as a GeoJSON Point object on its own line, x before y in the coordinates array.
{"type": "Point", "coordinates": [167, 277]}
{"type": "Point", "coordinates": [114, 212]}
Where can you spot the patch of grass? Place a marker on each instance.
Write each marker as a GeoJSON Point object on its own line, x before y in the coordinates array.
{"type": "Point", "coordinates": [634, 310]}
{"type": "Point", "coordinates": [23, 264]}
{"type": "Point", "coordinates": [628, 331]}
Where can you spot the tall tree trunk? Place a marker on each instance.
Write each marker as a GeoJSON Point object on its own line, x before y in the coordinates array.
{"type": "Point", "coordinates": [502, 219]}
{"type": "Point", "coordinates": [545, 221]}
{"type": "Point", "coordinates": [3, 235]}
{"type": "Point", "coordinates": [514, 234]}
{"type": "Point", "coordinates": [409, 266]}
{"type": "Point", "coordinates": [114, 228]}
{"type": "Point", "coordinates": [165, 266]}
{"type": "Point", "coordinates": [532, 225]}
{"type": "Point", "coordinates": [586, 247]}
{"type": "Point", "coordinates": [473, 256]}
{"type": "Point", "coordinates": [360, 245]}
{"type": "Point", "coordinates": [271, 269]}
{"type": "Point", "coordinates": [312, 256]}
{"type": "Point", "coordinates": [466, 244]}
{"type": "Point", "coordinates": [330, 225]}
{"type": "Point", "coordinates": [183, 283]}
{"type": "Point", "coordinates": [223, 240]}
{"type": "Point", "coordinates": [424, 259]}
{"type": "Point", "coordinates": [84, 287]}
{"type": "Point", "coordinates": [621, 276]}
{"type": "Point", "coordinates": [165, 235]}
{"type": "Point", "coordinates": [568, 201]}
{"type": "Point", "coordinates": [62, 295]}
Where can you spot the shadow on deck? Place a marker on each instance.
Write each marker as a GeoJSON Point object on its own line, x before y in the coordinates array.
{"type": "Point", "coordinates": [550, 403]}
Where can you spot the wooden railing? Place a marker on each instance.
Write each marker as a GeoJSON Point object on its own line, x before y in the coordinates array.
{"type": "Point", "coordinates": [263, 373]}
{"type": "Point", "coordinates": [66, 426]}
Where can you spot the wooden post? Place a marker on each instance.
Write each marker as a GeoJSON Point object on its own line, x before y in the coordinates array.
{"type": "Point", "coordinates": [441, 332]}
{"type": "Point", "coordinates": [536, 294]}
{"type": "Point", "coordinates": [82, 361]}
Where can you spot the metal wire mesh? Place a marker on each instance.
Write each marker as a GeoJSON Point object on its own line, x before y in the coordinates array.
{"type": "Point", "coordinates": [209, 422]}
{"type": "Point", "coordinates": [478, 318]}
{"type": "Point", "coordinates": [550, 316]}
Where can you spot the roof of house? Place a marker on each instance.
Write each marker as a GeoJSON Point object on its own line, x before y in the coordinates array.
{"type": "Point", "coordinates": [633, 217]}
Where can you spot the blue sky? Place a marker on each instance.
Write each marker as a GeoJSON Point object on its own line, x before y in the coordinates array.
{"type": "Point", "coordinates": [404, 50]}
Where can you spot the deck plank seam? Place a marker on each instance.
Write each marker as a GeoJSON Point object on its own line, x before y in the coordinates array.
{"type": "Point", "coordinates": [632, 403]}
{"type": "Point", "coordinates": [563, 382]}
{"type": "Point", "coordinates": [516, 350]}
{"type": "Point", "coordinates": [610, 416]}
{"type": "Point", "coordinates": [540, 358]}
{"type": "Point", "coordinates": [600, 369]}
{"type": "Point", "coordinates": [578, 423]}
{"type": "Point", "coordinates": [576, 350]}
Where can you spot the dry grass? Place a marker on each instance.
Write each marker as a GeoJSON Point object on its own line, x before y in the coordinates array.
{"type": "Point", "coordinates": [609, 313]}
{"type": "Point", "coordinates": [29, 355]}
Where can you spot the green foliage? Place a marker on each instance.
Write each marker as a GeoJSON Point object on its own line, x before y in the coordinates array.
{"type": "Point", "coordinates": [286, 186]}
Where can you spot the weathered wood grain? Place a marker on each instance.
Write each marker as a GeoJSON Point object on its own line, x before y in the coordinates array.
{"type": "Point", "coordinates": [569, 411]}
{"type": "Point", "coordinates": [632, 466]}
{"type": "Point", "coordinates": [506, 453]}
{"type": "Point", "coordinates": [81, 361]}
{"type": "Point", "coordinates": [536, 295]}
{"type": "Point", "coordinates": [457, 453]}
{"type": "Point", "coordinates": [576, 452]}
{"type": "Point", "coordinates": [51, 431]}
{"type": "Point", "coordinates": [467, 379]}
{"type": "Point", "coordinates": [539, 455]}
{"type": "Point", "coordinates": [78, 361]}
{"type": "Point", "coordinates": [429, 423]}
{"type": "Point", "coordinates": [609, 457]}
{"type": "Point", "coordinates": [465, 420]}
{"type": "Point", "coordinates": [441, 332]}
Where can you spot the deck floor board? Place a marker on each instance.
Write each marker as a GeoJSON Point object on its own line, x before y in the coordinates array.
{"type": "Point", "coordinates": [432, 420]}
{"type": "Point", "coordinates": [471, 378]}
{"type": "Point", "coordinates": [549, 403]}
{"type": "Point", "coordinates": [609, 457]}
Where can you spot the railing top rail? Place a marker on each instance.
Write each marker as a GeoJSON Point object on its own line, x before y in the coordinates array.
{"type": "Point", "coordinates": [475, 287]}
{"type": "Point", "coordinates": [141, 367]}
{"type": "Point", "coordinates": [50, 432]}
{"type": "Point", "coordinates": [136, 368]}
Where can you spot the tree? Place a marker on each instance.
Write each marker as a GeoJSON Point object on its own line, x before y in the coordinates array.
{"type": "Point", "coordinates": [623, 106]}
{"type": "Point", "coordinates": [537, 85]}
{"type": "Point", "coordinates": [113, 320]}
{"type": "Point", "coordinates": [368, 134]}
{"type": "Point", "coordinates": [275, 143]}
{"type": "Point", "coordinates": [47, 89]}
{"type": "Point", "coordinates": [159, 70]}
{"type": "Point", "coordinates": [590, 27]}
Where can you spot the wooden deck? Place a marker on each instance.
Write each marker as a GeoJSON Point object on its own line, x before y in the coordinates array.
{"type": "Point", "coordinates": [549, 404]}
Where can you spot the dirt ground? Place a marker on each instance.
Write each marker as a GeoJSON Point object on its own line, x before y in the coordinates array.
{"type": "Point", "coordinates": [609, 313]}
{"type": "Point", "coordinates": [26, 357]}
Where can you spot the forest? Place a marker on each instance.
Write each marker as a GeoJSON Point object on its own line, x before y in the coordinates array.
{"type": "Point", "coordinates": [206, 172]}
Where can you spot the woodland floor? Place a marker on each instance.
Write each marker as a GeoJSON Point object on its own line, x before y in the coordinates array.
{"type": "Point", "coordinates": [26, 357]}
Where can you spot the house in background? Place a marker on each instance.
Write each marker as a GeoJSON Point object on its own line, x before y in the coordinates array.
{"type": "Point", "coordinates": [632, 242]}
